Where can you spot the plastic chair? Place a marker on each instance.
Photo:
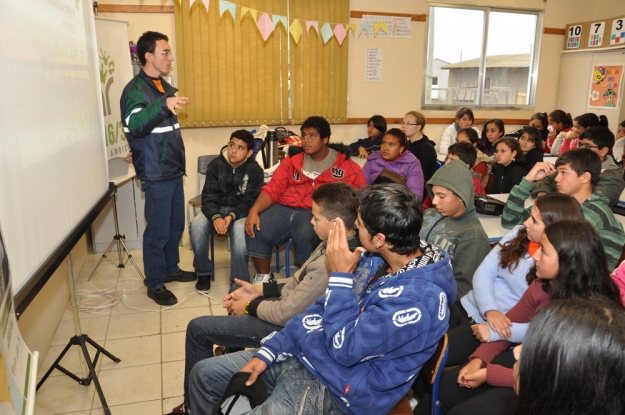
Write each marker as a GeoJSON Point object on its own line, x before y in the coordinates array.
{"type": "Point", "coordinates": [433, 371]}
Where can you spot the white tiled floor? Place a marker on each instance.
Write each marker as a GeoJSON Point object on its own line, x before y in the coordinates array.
{"type": "Point", "coordinates": [148, 338]}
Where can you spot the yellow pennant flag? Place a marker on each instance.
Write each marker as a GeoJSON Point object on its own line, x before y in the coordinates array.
{"type": "Point", "coordinates": [296, 30]}
{"type": "Point", "coordinates": [252, 12]}
{"type": "Point", "coordinates": [380, 25]}
{"type": "Point", "coordinates": [351, 26]}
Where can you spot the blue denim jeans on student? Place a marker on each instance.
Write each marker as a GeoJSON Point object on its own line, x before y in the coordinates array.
{"type": "Point", "coordinates": [201, 227]}
{"type": "Point", "coordinates": [278, 224]}
{"type": "Point", "coordinates": [164, 214]}
{"type": "Point", "coordinates": [229, 331]}
{"type": "Point", "coordinates": [292, 388]}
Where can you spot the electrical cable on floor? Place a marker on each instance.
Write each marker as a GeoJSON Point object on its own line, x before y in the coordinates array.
{"type": "Point", "coordinates": [104, 300]}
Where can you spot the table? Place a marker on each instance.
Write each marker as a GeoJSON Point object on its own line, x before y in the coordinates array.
{"type": "Point", "coordinates": [492, 224]}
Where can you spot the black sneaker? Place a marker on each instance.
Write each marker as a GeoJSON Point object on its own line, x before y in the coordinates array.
{"type": "Point", "coordinates": [181, 276]}
{"type": "Point", "coordinates": [180, 409]}
{"type": "Point", "coordinates": [203, 283]}
{"type": "Point", "coordinates": [162, 296]}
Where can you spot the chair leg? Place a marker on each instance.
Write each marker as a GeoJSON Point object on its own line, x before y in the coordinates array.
{"type": "Point", "coordinates": [277, 259]}
{"type": "Point", "coordinates": [287, 255]}
{"type": "Point", "coordinates": [212, 257]}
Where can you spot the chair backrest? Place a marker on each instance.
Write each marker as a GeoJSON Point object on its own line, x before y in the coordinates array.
{"type": "Point", "coordinates": [432, 367]}
{"type": "Point", "coordinates": [434, 372]}
{"type": "Point", "coordinates": [202, 168]}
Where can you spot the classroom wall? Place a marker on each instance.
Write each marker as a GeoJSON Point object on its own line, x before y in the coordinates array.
{"type": "Point", "coordinates": [401, 88]}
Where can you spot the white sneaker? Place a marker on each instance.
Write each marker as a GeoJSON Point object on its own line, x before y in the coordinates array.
{"type": "Point", "coordinates": [262, 278]}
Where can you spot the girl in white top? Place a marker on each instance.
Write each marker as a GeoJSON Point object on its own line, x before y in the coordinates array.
{"type": "Point", "coordinates": [464, 119]}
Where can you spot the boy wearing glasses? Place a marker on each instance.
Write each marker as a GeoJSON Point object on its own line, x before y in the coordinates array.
{"type": "Point", "coordinates": [149, 111]}
{"type": "Point", "coordinates": [611, 184]}
{"type": "Point", "coordinates": [283, 208]}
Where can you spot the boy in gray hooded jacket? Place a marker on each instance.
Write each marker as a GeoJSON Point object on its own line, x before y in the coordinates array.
{"type": "Point", "coordinates": [452, 223]}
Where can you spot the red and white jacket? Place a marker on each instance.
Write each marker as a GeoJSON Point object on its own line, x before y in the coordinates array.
{"type": "Point", "coordinates": [290, 187]}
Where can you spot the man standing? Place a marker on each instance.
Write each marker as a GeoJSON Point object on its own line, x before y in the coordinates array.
{"type": "Point", "coordinates": [150, 121]}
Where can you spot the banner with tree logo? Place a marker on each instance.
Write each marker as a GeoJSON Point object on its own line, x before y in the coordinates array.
{"type": "Point", "coordinates": [115, 73]}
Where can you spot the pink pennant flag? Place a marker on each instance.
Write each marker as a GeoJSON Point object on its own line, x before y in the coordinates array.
{"type": "Point", "coordinates": [312, 23]}
{"type": "Point", "coordinates": [265, 26]}
{"type": "Point", "coordinates": [205, 4]}
{"type": "Point", "coordinates": [339, 33]}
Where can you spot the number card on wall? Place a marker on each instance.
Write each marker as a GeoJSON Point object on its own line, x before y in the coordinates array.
{"type": "Point", "coordinates": [617, 35]}
{"type": "Point", "coordinates": [595, 36]}
{"type": "Point", "coordinates": [573, 36]}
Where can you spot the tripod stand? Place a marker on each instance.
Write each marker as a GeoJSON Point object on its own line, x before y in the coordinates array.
{"type": "Point", "coordinates": [81, 340]}
{"type": "Point", "coordinates": [122, 249]}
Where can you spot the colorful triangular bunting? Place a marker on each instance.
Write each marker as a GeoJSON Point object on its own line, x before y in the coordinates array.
{"type": "Point", "coordinates": [296, 30]}
{"type": "Point", "coordinates": [339, 33]}
{"type": "Point", "coordinates": [276, 18]}
{"type": "Point", "coordinates": [312, 23]}
{"type": "Point", "coordinates": [395, 23]}
{"type": "Point", "coordinates": [364, 28]}
{"type": "Point", "coordinates": [265, 26]}
{"type": "Point", "coordinates": [350, 26]}
{"type": "Point", "coordinates": [377, 26]}
{"type": "Point", "coordinates": [231, 7]}
{"type": "Point", "coordinates": [252, 12]}
{"type": "Point", "coordinates": [326, 32]}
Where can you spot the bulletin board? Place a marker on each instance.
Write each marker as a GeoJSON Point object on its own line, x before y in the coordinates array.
{"type": "Point", "coordinates": [605, 87]}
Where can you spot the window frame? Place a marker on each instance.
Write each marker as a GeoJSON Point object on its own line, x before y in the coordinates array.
{"type": "Point", "coordinates": [482, 72]}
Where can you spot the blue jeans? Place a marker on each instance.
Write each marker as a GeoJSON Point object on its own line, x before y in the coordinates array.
{"type": "Point", "coordinates": [201, 228]}
{"type": "Point", "coordinates": [229, 331]}
{"type": "Point", "coordinates": [164, 214]}
{"type": "Point", "coordinates": [278, 224]}
{"type": "Point", "coordinates": [292, 388]}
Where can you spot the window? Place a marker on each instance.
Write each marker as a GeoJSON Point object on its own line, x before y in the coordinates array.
{"type": "Point", "coordinates": [481, 56]}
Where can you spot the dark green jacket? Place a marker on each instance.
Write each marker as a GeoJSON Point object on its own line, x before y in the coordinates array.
{"type": "Point", "coordinates": [152, 130]}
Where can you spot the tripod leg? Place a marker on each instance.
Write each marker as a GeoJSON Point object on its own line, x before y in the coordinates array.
{"type": "Point", "coordinates": [55, 365]}
{"type": "Point", "coordinates": [131, 258]}
{"type": "Point", "coordinates": [101, 349]}
{"type": "Point", "coordinates": [92, 373]}
{"type": "Point", "coordinates": [101, 258]}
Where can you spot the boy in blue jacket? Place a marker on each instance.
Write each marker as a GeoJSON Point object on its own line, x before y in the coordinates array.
{"type": "Point", "coordinates": [358, 348]}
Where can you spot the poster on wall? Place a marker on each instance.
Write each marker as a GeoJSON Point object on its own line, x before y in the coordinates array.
{"type": "Point", "coordinates": [115, 73]}
{"type": "Point", "coordinates": [605, 86]}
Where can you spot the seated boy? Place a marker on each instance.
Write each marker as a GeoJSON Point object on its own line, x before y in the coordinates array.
{"type": "Point", "coordinates": [231, 187]}
{"type": "Point", "coordinates": [452, 224]}
{"type": "Point", "coordinates": [576, 173]}
{"type": "Point", "coordinates": [468, 155]}
{"type": "Point", "coordinates": [358, 348]}
{"type": "Point", "coordinates": [611, 183]}
{"type": "Point", "coordinates": [282, 211]}
{"type": "Point", "coordinates": [259, 310]}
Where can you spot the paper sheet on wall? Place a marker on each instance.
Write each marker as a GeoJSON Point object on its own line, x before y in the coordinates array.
{"type": "Point", "coordinates": [373, 65]}
{"type": "Point", "coordinates": [397, 26]}
{"type": "Point", "coordinates": [606, 86]}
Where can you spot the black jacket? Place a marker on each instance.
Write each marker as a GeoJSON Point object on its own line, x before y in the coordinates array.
{"type": "Point", "coordinates": [505, 178]}
{"type": "Point", "coordinates": [426, 153]}
{"type": "Point", "coordinates": [225, 186]}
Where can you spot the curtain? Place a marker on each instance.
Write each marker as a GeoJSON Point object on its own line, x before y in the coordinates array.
{"type": "Point", "coordinates": [233, 77]}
